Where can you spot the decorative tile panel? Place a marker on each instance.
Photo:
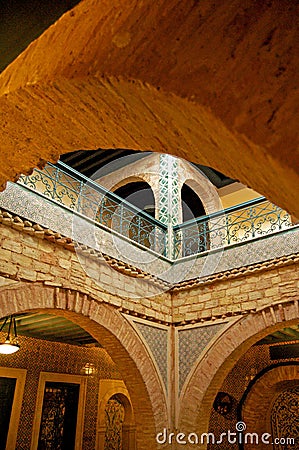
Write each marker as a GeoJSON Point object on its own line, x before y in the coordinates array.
{"type": "Point", "coordinates": [249, 253]}
{"type": "Point", "coordinates": [169, 195]}
{"type": "Point", "coordinates": [191, 343]}
{"type": "Point", "coordinates": [114, 418]}
{"type": "Point", "coordinates": [157, 341]}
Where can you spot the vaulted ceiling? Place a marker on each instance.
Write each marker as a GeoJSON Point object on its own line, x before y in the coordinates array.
{"type": "Point", "coordinates": [213, 82]}
{"type": "Point", "coordinates": [22, 21]}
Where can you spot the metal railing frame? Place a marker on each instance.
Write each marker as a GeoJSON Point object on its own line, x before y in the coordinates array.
{"type": "Point", "coordinates": [147, 231]}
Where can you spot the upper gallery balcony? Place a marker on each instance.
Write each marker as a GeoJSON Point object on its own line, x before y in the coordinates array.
{"type": "Point", "coordinates": [171, 241]}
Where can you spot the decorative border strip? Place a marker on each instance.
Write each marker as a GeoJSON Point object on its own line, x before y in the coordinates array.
{"type": "Point", "coordinates": [238, 272]}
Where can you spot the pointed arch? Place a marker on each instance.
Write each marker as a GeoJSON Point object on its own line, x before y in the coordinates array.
{"type": "Point", "coordinates": [210, 371]}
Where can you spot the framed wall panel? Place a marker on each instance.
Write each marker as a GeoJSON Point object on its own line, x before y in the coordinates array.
{"type": "Point", "coordinates": [49, 380]}
{"type": "Point", "coordinates": [19, 375]}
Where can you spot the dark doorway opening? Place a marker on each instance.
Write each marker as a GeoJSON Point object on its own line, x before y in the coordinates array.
{"type": "Point", "coordinates": [191, 204]}
{"type": "Point", "coordinates": [7, 390]}
{"type": "Point", "coordinates": [59, 416]}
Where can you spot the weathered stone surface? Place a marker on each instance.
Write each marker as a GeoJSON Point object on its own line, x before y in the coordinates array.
{"type": "Point", "coordinates": [214, 83]}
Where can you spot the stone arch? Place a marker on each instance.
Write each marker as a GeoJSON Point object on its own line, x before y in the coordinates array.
{"type": "Point", "coordinates": [108, 326]}
{"type": "Point", "coordinates": [256, 404]}
{"type": "Point", "coordinates": [127, 180]}
{"type": "Point", "coordinates": [139, 193]}
{"type": "Point", "coordinates": [211, 369]}
{"type": "Point", "coordinates": [206, 191]}
{"type": "Point", "coordinates": [150, 98]}
{"type": "Point", "coordinates": [192, 206]}
{"type": "Point", "coordinates": [144, 170]}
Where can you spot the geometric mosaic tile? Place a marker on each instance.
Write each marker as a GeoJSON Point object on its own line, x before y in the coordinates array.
{"type": "Point", "coordinates": [252, 252]}
{"type": "Point", "coordinates": [169, 195]}
{"type": "Point", "coordinates": [157, 340]}
{"type": "Point", "coordinates": [265, 249]}
{"type": "Point", "coordinates": [191, 344]}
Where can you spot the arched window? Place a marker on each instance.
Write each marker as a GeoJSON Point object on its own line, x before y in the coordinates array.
{"type": "Point", "coordinates": [139, 194]}
{"type": "Point", "coordinates": [192, 206]}
{"type": "Point", "coordinates": [194, 236]}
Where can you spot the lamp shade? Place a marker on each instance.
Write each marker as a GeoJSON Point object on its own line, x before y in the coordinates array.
{"type": "Point", "coordinates": [11, 344]}
{"type": "Point", "coordinates": [7, 348]}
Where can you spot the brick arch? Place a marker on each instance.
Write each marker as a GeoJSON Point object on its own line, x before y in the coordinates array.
{"type": "Point", "coordinates": [257, 402]}
{"type": "Point", "coordinates": [113, 331]}
{"type": "Point", "coordinates": [145, 169]}
{"type": "Point", "coordinates": [211, 370]}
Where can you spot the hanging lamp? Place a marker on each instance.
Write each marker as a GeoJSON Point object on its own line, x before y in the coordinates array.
{"type": "Point", "coordinates": [11, 344]}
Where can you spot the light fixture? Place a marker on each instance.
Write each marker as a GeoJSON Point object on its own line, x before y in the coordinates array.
{"type": "Point", "coordinates": [88, 369]}
{"type": "Point", "coordinates": [11, 344]}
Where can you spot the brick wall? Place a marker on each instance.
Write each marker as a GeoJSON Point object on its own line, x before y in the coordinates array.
{"type": "Point", "coordinates": [238, 295]}
{"type": "Point", "coordinates": [25, 257]}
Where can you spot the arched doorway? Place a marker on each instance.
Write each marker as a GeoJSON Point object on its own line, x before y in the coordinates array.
{"type": "Point", "coordinates": [116, 423]}
{"type": "Point", "coordinates": [270, 405]}
{"type": "Point", "coordinates": [139, 194]}
{"type": "Point", "coordinates": [194, 236]}
{"type": "Point", "coordinates": [103, 323]}
{"type": "Point", "coordinates": [213, 367]}
{"type": "Point", "coordinates": [130, 210]}
{"type": "Point", "coordinates": [139, 227]}
{"type": "Point", "coordinates": [192, 206]}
